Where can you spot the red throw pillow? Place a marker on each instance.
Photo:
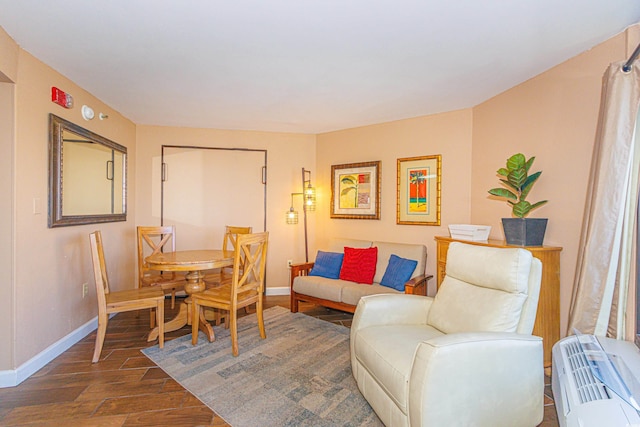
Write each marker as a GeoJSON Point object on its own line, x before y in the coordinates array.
{"type": "Point", "coordinates": [359, 265]}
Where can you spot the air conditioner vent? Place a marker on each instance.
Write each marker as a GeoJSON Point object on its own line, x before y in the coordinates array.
{"type": "Point", "coordinates": [588, 387]}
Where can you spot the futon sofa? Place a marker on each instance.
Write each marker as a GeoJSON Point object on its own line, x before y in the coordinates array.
{"type": "Point", "coordinates": [308, 283]}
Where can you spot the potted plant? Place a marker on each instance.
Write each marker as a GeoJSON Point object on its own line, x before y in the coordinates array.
{"type": "Point", "coordinates": [517, 182]}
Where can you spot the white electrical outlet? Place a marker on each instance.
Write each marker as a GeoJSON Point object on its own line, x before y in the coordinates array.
{"type": "Point", "coordinates": [289, 262]}
{"type": "Point", "coordinates": [85, 289]}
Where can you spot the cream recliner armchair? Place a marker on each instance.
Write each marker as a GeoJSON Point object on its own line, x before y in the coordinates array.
{"type": "Point", "coordinates": [463, 358]}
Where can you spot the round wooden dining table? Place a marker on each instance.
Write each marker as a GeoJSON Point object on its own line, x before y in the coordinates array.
{"type": "Point", "coordinates": [193, 262]}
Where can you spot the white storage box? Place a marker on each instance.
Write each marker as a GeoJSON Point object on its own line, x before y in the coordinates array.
{"type": "Point", "coordinates": [476, 233]}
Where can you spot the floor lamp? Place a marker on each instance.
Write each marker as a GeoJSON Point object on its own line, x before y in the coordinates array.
{"type": "Point", "coordinates": [309, 204]}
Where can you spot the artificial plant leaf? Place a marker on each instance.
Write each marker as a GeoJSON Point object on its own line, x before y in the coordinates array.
{"type": "Point", "coordinates": [516, 161]}
{"type": "Point", "coordinates": [537, 204]}
{"type": "Point", "coordinates": [503, 192]}
{"type": "Point", "coordinates": [517, 177]}
{"type": "Point", "coordinates": [528, 184]}
{"type": "Point", "coordinates": [529, 163]}
{"type": "Point", "coordinates": [503, 172]}
{"type": "Point", "coordinates": [510, 185]}
{"type": "Point", "coordinates": [521, 209]}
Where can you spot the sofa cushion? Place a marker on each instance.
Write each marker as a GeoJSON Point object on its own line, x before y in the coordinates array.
{"type": "Point", "coordinates": [352, 292]}
{"type": "Point", "coordinates": [386, 352]}
{"type": "Point", "coordinates": [319, 287]}
{"type": "Point", "coordinates": [359, 264]}
{"type": "Point", "coordinates": [484, 289]}
{"type": "Point", "coordinates": [404, 250]}
{"type": "Point", "coordinates": [398, 272]}
{"type": "Point", "coordinates": [327, 264]}
{"type": "Point", "coordinates": [338, 244]}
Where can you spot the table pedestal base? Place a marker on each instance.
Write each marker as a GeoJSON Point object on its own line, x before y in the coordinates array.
{"type": "Point", "coordinates": [183, 318]}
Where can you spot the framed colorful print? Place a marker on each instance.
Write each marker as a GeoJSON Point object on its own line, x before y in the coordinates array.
{"type": "Point", "coordinates": [419, 190]}
{"type": "Point", "coordinates": [355, 190]}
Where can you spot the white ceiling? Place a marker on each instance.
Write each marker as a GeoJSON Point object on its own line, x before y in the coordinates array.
{"type": "Point", "coordinates": [306, 66]}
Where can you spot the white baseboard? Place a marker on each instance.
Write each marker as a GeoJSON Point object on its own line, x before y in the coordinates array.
{"type": "Point", "coordinates": [283, 290]}
{"type": "Point", "coordinates": [13, 377]}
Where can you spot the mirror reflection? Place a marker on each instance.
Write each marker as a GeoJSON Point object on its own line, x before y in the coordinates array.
{"type": "Point", "coordinates": [87, 176]}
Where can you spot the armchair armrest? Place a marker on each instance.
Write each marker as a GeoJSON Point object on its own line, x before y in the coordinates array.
{"type": "Point", "coordinates": [455, 369]}
{"type": "Point", "coordinates": [418, 285]}
{"type": "Point", "coordinates": [387, 309]}
{"type": "Point", "coordinates": [390, 309]}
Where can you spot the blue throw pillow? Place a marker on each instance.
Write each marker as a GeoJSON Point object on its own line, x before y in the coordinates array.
{"type": "Point", "coordinates": [328, 264]}
{"type": "Point", "coordinates": [398, 272]}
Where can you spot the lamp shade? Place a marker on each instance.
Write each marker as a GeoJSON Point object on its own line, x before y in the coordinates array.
{"type": "Point", "coordinates": [292, 216]}
{"type": "Point", "coordinates": [310, 198]}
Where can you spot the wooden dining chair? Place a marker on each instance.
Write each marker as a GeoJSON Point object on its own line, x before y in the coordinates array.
{"type": "Point", "coordinates": [231, 233]}
{"type": "Point", "coordinates": [152, 240]}
{"type": "Point", "coordinates": [246, 287]}
{"type": "Point", "coordinates": [119, 301]}
{"type": "Point", "coordinates": [217, 277]}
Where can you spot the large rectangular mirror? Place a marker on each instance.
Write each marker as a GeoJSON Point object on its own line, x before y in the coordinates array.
{"type": "Point", "coordinates": [87, 176]}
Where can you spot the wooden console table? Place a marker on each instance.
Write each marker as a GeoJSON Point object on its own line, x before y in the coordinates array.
{"type": "Point", "coordinates": [547, 323]}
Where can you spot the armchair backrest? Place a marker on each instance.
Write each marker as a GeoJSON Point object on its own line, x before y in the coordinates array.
{"type": "Point", "coordinates": [487, 289]}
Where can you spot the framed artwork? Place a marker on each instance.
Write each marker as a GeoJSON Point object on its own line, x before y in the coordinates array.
{"type": "Point", "coordinates": [419, 182]}
{"type": "Point", "coordinates": [355, 190]}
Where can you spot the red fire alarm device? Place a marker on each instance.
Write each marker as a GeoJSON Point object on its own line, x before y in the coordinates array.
{"type": "Point", "coordinates": [61, 98]}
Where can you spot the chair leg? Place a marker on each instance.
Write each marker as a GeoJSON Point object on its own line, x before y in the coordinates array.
{"type": "Point", "coordinates": [263, 334]}
{"type": "Point", "coordinates": [233, 316]}
{"type": "Point", "coordinates": [152, 319]}
{"type": "Point", "coordinates": [173, 299]}
{"type": "Point", "coordinates": [100, 334]}
{"type": "Point", "coordinates": [195, 321]}
{"type": "Point", "coordinates": [160, 321]}
{"type": "Point", "coordinates": [217, 318]}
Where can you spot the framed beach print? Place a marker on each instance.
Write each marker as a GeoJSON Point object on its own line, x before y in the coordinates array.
{"type": "Point", "coordinates": [355, 190]}
{"type": "Point", "coordinates": [419, 190]}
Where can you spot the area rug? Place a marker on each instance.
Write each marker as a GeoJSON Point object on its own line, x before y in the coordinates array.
{"type": "Point", "coordinates": [300, 375]}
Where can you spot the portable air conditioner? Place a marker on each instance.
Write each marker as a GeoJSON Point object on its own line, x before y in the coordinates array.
{"type": "Point", "coordinates": [581, 399]}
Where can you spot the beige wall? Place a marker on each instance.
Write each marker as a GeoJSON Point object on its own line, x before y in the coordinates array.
{"type": "Point", "coordinates": [552, 117]}
{"type": "Point", "coordinates": [9, 57]}
{"type": "Point", "coordinates": [7, 103]}
{"type": "Point", "coordinates": [51, 264]}
{"type": "Point", "coordinates": [287, 154]}
{"type": "Point", "coordinates": [448, 134]}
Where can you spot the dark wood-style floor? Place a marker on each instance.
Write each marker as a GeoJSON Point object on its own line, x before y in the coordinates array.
{"type": "Point", "coordinates": [125, 388]}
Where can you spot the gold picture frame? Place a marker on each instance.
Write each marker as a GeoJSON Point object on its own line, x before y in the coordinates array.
{"type": "Point", "coordinates": [419, 188]}
{"type": "Point", "coordinates": [355, 190]}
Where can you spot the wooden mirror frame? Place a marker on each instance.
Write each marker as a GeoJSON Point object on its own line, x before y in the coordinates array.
{"type": "Point", "coordinates": [56, 218]}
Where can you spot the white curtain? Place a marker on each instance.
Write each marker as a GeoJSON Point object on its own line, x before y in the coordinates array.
{"type": "Point", "coordinates": [605, 273]}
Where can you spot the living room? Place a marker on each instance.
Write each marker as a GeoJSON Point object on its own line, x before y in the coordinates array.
{"type": "Point", "coordinates": [552, 116]}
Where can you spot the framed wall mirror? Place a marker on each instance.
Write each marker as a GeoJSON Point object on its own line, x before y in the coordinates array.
{"type": "Point", "coordinates": [87, 176]}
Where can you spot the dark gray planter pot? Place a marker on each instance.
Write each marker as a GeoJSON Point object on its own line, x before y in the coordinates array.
{"type": "Point", "coordinates": [524, 231]}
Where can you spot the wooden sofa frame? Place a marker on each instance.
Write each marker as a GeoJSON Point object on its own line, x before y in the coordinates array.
{"type": "Point", "coordinates": [415, 286]}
